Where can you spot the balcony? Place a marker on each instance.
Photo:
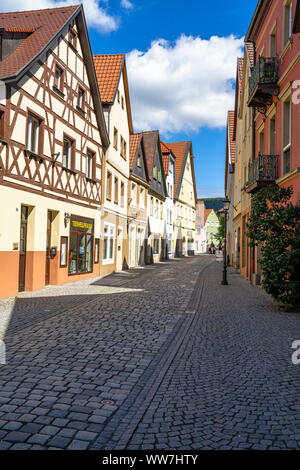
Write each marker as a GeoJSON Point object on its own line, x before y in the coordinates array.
{"type": "Point", "coordinates": [262, 172]}
{"type": "Point", "coordinates": [263, 84]}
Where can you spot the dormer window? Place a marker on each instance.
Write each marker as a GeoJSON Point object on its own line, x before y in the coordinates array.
{"type": "Point", "coordinates": [139, 160]}
{"type": "Point", "coordinates": [80, 102]}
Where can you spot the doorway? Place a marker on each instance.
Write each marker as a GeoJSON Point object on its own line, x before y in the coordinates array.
{"type": "Point", "coordinates": [23, 248]}
{"type": "Point", "coordinates": [48, 247]}
{"type": "Point", "coordinates": [120, 249]}
{"type": "Point", "coordinates": [140, 247]}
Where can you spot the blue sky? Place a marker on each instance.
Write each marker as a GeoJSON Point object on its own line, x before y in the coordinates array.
{"type": "Point", "coordinates": [150, 20]}
{"type": "Point", "coordinates": [181, 62]}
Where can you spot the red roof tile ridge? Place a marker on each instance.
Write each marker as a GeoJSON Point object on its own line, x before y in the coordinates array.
{"type": "Point", "coordinates": [19, 12]}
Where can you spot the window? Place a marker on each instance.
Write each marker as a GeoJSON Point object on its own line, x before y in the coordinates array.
{"type": "Point", "coordinates": [152, 206]}
{"type": "Point", "coordinates": [122, 193]}
{"type": "Point", "coordinates": [133, 194]}
{"type": "Point", "coordinates": [72, 38]}
{"type": "Point", "coordinates": [96, 256]}
{"type": "Point", "coordinates": [81, 245]}
{"type": "Point", "coordinates": [142, 197]}
{"type": "Point", "coordinates": [122, 100]}
{"type": "Point", "coordinates": [287, 110]}
{"type": "Point", "coordinates": [58, 79]}
{"type": "Point", "coordinates": [33, 132]}
{"type": "Point", "coordinates": [108, 243]}
{"type": "Point", "coordinates": [118, 96]}
{"type": "Point", "coordinates": [116, 138]}
{"type": "Point", "coordinates": [262, 142]}
{"type": "Point", "coordinates": [287, 21]}
{"type": "Point", "coordinates": [171, 217]}
{"type": "Point", "coordinates": [80, 102]}
{"type": "Point", "coordinates": [1, 124]}
{"type": "Point", "coordinates": [155, 172]}
{"type": "Point", "coordinates": [108, 185]}
{"type": "Point", "coordinates": [123, 150]}
{"type": "Point", "coordinates": [273, 44]}
{"type": "Point", "coordinates": [272, 136]}
{"type": "Point", "coordinates": [90, 165]}
{"type": "Point", "coordinates": [161, 211]}
{"type": "Point", "coordinates": [139, 160]}
{"type": "Point", "coordinates": [156, 207]}
{"type": "Point", "coordinates": [68, 150]}
{"type": "Point", "coordinates": [159, 175]}
{"type": "Point", "coordinates": [156, 246]}
{"type": "Point", "coordinates": [116, 190]}
{"type": "Point", "coordinates": [63, 252]}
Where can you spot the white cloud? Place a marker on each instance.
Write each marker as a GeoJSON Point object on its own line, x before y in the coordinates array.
{"type": "Point", "coordinates": [126, 4]}
{"type": "Point", "coordinates": [97, 17]}
{"type": "Point", "coordinates": [185, 85]}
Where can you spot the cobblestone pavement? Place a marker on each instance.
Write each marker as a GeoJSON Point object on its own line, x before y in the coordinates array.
{"type": "Point", "coordinates": [166, 358]}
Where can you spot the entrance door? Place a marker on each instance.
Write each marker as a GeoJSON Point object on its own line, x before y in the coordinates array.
{"type": "Point", "coordinates": [131, 247]}
{"type": "Point", "coordinates": [23, 245]}
{"type": "Point", "coordinates": [120, 249]}
{"type": "Point", "coordinates": [140, 248]}
{"type": "Point", "coordinates": [48, 247]}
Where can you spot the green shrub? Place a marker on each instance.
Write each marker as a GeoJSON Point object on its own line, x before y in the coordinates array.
{"type": "Point", "coordinates": [274, 225]}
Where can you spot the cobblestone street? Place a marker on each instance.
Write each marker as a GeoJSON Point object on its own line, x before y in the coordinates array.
{"type": "Point", "coordinates": [156, 358]}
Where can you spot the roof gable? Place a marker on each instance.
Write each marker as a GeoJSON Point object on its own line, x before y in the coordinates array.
{"type": "Point", "coordinates": [181, 151]}
{"type": "Point", "coordinates": [153, 155]}
{"type": "Point", "coordinates": [48, 25]}
{"type": "Point", "coordinates": [109, 70]}
{"type": "Point", "coordinates": [136, 149]}
{"type": "Point", "coordinates": [44, 26]}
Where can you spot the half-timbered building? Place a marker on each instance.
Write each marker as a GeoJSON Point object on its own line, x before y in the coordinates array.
{"type": "Point", "coordinates": [113, 85]}
{"type": "Point", "coordinates": [185, 197]}
{"type": "Point", "coordinates": [137, 202]}
{"type": "Point", "coordinates": [53, 136]}
{"type": "Point", "coordinates": [157, 194]}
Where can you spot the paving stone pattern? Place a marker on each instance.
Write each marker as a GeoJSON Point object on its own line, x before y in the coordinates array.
{"type": "Point", "coordinates": [180, 361]}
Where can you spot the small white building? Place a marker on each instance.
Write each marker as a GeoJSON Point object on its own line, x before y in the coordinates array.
{"type": "Point", "coordinates": [169, 169]}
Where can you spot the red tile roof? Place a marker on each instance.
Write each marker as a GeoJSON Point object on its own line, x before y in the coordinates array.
{"type": "Point", "coordinates": [165, 156]}
{"type": "Point", "coordinates": [179, 149]}
{"type": "Point", "coordinates": [108, 69]}
{"type": "Point", "coordinates": [45, 24]}
{"type": "Point", "coordinates": [133, 146]}
{"type": "Point", "coordinates": [207, 212]}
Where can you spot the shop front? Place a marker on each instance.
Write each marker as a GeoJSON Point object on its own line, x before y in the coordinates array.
{"type": "Point", "coordinates": [81, 246]}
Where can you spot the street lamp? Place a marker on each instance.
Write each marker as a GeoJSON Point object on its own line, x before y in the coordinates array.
{"type": "Point", "coordinates": [226, 204]}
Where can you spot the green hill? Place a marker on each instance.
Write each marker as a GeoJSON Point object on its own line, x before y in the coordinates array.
{"type": "Point", "coordinates": [214, 203]}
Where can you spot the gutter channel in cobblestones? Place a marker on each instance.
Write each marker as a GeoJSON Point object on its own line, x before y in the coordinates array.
{"type": "Point", "coordinates": [120, 428]}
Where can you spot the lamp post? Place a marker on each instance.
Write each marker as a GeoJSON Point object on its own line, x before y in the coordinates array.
{"type": "Point", "coordinates": [226, 204]}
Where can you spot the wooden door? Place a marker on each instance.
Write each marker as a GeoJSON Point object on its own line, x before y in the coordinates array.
{"type": "Point", "coordinates": [120, 249]}
{"type": "Point", "coordinates": [48, 248]}
{"type": "Point", "coordinates": [23, 247]}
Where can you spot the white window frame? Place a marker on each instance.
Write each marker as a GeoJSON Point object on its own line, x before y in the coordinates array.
{"type": "Point", "coordinates": [110, 235]}
{"type": "Point", "coordinates": [33, 139]}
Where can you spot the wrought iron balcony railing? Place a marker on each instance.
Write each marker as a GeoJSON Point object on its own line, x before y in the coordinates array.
{"type": "Point", "coordinates": [261, 172]}
{"type": "Point", "coordinates": [263, 83]}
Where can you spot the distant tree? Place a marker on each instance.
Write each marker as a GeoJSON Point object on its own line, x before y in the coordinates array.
{"type": "Point", "coordinates": [275, 226]}
{"type": "Point", "coordinates": [221, 229]}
